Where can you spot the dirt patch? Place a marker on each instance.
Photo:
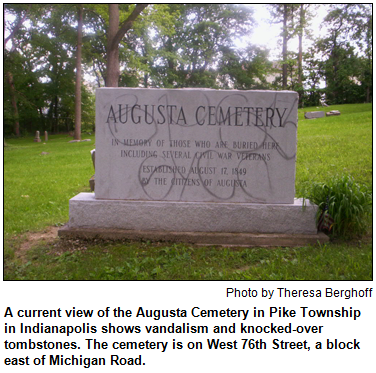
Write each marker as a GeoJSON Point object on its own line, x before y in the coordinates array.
{"type": "Point", "coordinates": [33, 238]}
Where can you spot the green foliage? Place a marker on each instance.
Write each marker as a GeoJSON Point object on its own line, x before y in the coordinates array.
{"type": "Point", "coordinates": [37, 189]}
{"type": "Point", "coordinates": [245, 68]}
{"type": "Point", "coordinates": [173, 46]}
{"type": "Point", "coordinates": [342, 74]}
{"type": "Point", "coordinates": [199, 51]}
{"type": "Point", "coordinates": [41, 59]}
{"type": "Point", "coordinates": [347, 54]}
{"type": "Point", "coordinates": [348, 203]}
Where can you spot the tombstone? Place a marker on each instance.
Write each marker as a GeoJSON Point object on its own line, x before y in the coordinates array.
{"type": "Point", "coordinates": [92, 152]}
{"type": "Point", "coordinates": [45, 136]}
{"type": "Point", "coordinates": [333, 112]}
{"type": "Point", "coordinates": [314, 114]}
{"type": "Point", "coordinates": [37, 137]}
{"type": "Point", "coordinates": [74, 141]}
{"type": "Point", "coordinates": [92, 179]}
{"type": "Point", "coordinates": [196, 165]}
{"type": "Point", "coordinates": [92, 183]}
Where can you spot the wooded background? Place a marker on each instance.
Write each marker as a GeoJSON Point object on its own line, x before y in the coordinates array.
{"type": "Point", "coordinates": [55, 55]}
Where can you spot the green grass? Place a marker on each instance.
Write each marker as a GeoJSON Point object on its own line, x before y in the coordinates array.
{"type": "Point", "coordinates": [38, 186]}
{"type": "Point", "coordinates": [37, 189]}
{"type": "Point", "coordinates": [348, 203]}
{"type": "Point", "coordinates": [335, 145]}
{"type": "Point", "coordinates": [80, 260]}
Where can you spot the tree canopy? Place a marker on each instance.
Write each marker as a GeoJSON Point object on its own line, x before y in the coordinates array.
{"type": "Point", "coordinates": [171, 46]}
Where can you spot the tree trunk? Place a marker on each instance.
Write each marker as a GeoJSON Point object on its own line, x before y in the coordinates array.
{"type": "Point", "coordinates": [369, 79]}
{"type": "Point", "coordinates": [77, 117]}
{"type": "Point", "coordinates": [146, 80]}
{"type": "Point", "coordinates": [14, 104]}
{"type": "Point", "coordinates": [113, 70]}
{"type": "Point", "coordinates": [300, 55]}
{"type": "Point", "coordinates": [56, 114]}
{"type": "Point", "coordinates": [17, 26]}
{"type": "Point", "coordinates": [171, 64]}
{"type": "Point", "coordinates": [284, 47]}
{"type": "Point", "coordinates": [114, 36]}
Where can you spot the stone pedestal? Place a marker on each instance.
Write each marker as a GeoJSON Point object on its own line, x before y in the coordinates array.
{"type": "Point", "coordinates": [208, 223]}
{"type": "Point", "coordinates": [195, 165]}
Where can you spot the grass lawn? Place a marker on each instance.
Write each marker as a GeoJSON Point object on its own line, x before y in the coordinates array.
{"type": "Point", "coordinates": [40, 178]}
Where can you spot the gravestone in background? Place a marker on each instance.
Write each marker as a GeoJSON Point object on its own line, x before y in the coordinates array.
{"type": "Point", "coordinates": [194, 164]}
{"type": "Point", "coordinates": [333, 112]}
{"type": "Point", "coordinates": [314, 114]}
{"type": "Point", "coordinates": [37, 137]}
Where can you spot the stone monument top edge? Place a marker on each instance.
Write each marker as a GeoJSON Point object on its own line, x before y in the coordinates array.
{"type": "Point", "coordinates": [195, 89]}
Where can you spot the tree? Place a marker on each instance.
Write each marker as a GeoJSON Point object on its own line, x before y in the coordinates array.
{"type": "Point", "coordinates": [313, 73]}
{"type": "Point", "coordinates": [41, 59]}
{"type": "Point", "coordinates": [115, 34]}
{"type": "Point", "coordinates": [246, 68]}
{"type": "Point", "coordinates": [77, 118]}
{"type": "Point", "coordinates": [199, 50]}
{"type": "Point", "coordinates": [300, 53]}
{"type": "Point", "coordinates": [363, 36]}
{"type": "Point", "coordinates": [345, 49]}
{"type": "Point", "coordinates": [21, 15]}
{"type": "Point", "coordinates": [285, 37]}
{"type": "Point", "coordinates": [287, 15]}
{"type": "Point", "coordinates": [304, 17]}
{"type": "Point", "coordinates": [295, 19]}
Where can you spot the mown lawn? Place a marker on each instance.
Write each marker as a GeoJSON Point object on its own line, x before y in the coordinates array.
{"type": "Point", "coordinates": [40, 178]}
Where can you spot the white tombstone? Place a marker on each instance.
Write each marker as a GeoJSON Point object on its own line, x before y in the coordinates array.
{"type": "Point", "coordinates": [194, 164]}
{"type": "Point", "coordinates": [333, 112]}
{"type": "Point", "coordinates": [196, 145]}
{"type": "Point", "coordinates": [314, 114]}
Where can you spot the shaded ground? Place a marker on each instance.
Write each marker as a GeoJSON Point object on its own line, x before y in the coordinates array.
{"type": "Point", "coordinates": [44, 256]}
{"type": "Point", "coordinates": [31, 239]}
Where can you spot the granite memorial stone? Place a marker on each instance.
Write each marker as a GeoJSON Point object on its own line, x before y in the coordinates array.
{"type": "Point", "coordinates": [196, 145]}
{"type": "Point", "coordinates": [196, 165]}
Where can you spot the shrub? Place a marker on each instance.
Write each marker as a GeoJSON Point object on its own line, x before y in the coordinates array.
{"type": "Point", "coordinates": [347, 203]}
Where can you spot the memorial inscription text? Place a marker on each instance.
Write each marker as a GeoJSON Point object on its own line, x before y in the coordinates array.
{"type": "Point", "coordinates": [192, 145]}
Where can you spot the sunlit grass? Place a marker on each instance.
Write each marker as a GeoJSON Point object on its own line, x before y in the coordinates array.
{"type": "Point", "coordinates": [37, 188]}
{"type": "Point", "coordinates": [80, 260]}
{"type": "Point", "coordinates": [335, 145]}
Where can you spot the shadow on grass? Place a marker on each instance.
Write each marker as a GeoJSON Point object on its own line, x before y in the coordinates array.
{"type": "Point", "coordinates": [63, 259]}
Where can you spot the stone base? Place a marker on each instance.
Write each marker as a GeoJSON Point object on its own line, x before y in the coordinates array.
{"type": "Point", "coordinates": [197, 238]}
{"type": "Point", "coordinates": [230, 224]}
{"type": "Point", "coordinates": [92, 183]}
